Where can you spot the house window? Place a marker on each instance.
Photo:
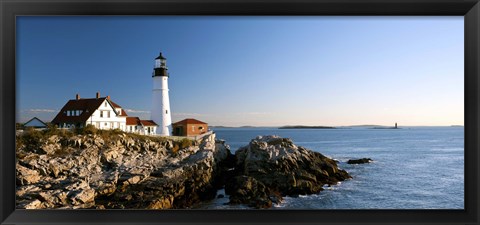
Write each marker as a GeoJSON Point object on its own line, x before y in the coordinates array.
{"type": "Point", "coordinates": [193, 128]}
{"type": "Point", "coordinates": [108, 114]}
{"type": "Point", "coordinates": [106, 124]}
{"type": "Point", "coordinates": [200, 128]}
{"type": "Point", "coordinates": [105, 104]}
{"type": "Point", "coordinates": [131, 128]}
{"type": "Point", "coordinates": [68, 113]}
{"type": "Point", "coordinates": [101, 113]}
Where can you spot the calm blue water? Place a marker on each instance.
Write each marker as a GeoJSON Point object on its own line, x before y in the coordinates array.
{"type": "Point", "coordinates": [413, 168]}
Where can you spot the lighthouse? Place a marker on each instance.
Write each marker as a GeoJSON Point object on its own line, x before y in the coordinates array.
{"type": "Point", "coordinates": [161, 113]}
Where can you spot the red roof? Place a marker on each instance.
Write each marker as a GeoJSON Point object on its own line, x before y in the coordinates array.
{"type": "Point", "coordinates": [115, 104]}
{"type": "Point", "coordinates": [190, 121]}
{"type": "Point", "coordinates": [133, 121]}
{"type": "Point", "coordinates": [137, 122]}
{"type": "Point", "coordinates": [148, 123]}
{"type": "Point", "coordinates": [86, 105]}
{"type": "Point", "coordinates": [123, 113]}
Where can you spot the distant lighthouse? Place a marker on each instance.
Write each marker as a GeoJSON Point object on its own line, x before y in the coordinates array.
{"type": "Point", "coordinates": [161, 113]}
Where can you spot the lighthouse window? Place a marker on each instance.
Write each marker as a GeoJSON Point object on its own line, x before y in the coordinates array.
{"type": "Point", "coordinates": [166, 111]}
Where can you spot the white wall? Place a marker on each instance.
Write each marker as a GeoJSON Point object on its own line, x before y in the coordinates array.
{"type": "Point", "coordinates": [142, 130]}
{"type": "Point", "coordinates": [161, 113]}
{"type": "Point", "coordinates": [106, 122]}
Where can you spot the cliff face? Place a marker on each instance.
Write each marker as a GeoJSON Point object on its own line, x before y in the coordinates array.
{"type": "Point", "coordinates": [91, 171]}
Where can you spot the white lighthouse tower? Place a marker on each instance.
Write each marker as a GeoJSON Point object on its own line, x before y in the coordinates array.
{"type": "Point", "coordinates": [161, 114]}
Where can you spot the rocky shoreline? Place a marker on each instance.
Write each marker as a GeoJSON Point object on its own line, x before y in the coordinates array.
{"type": "Point", "coordinates": [121, 172]}
{"type": "Point", "coordinates": [271, 167]}
{"type": "Point", "coordinates": [126, 172]}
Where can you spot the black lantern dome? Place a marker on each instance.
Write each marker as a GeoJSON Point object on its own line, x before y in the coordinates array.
{"type": "Point", "coordinates": [160, 68]}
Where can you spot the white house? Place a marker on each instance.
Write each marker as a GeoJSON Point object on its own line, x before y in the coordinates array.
{"type": "Point", "coordinates": [135, 125]}
{"type": "Point", "coordinates": [102, 113]}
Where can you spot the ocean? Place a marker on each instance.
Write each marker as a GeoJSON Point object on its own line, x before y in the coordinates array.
{"type": "Point", "coordinates": [412, 168]}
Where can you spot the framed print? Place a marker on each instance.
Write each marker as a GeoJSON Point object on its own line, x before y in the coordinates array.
{"type": "Point", "coordinates": [201, 112]}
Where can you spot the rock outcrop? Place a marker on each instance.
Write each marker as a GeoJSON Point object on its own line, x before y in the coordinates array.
{"type": "Point", "coordinates": [123, 171]}
{"type": "Point", "coordinates": [359, 161]}
{"type": "Point", "coordinates": [270, 167]}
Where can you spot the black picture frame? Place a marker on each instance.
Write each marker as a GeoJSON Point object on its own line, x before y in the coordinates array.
{"type": "Point", "coordinates": [470, 9]}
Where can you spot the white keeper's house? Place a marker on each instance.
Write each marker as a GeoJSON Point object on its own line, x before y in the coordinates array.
{"type": "Point", "coordinates": [102, 113]}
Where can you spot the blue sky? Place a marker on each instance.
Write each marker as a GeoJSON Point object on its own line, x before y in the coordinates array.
{"type": "Point", "coordinates": [262, 71]}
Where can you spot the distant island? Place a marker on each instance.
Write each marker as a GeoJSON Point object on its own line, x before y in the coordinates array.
{"type": "Point", "coordinates": [233, 127]}
{"type": "Point", "coordinates": [382, 127]}
{"type": "Point", "coordinates": [306, 127]}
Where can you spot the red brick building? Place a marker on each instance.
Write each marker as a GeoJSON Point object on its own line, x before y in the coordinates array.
{"type": "Point", "coordinates": [189, 127]}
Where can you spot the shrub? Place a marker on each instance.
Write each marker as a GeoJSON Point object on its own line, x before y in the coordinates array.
{"type": "Point", "coordinates": [89, 129]}
{"type": "Point", "coordinates": [51, 129]}
{"type": "Point", "coordinates": [32, 139]}
{"type": "Point", "coordinates": [19, 126]}
{"type": "Point", "coordinates": [116, 131]}
{"type": "Point", "coordinates": [184, 143]}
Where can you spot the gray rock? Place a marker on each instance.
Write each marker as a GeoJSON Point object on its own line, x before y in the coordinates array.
{"type": "Point", "coordinates": [275, 166]}
{"type": "Point", "coordinates": [359, 161]}
{"type": "Point", "coordinates": [122, 172]}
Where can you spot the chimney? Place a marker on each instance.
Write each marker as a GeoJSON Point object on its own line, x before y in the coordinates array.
{"type": "Point", "coordinates": [98, 94]}
{"type": "Point", "coordinates": [108, 97]}
{"type": "Point", "coordinates": [77, 96]}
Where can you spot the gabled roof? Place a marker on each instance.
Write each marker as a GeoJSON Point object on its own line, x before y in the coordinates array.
{"type": "Point", "coordinates": [137, 122]}
{"type": "Point", "coordinates": [148, 123]}
{"type": "Point", "coordinates": [33, 120]}
{"type": "Point", "coordinates": [88, 107]}
{"type": "Point", "coordinates": [133, 121]}
{"type": "Point", "coordinates": [190, 121]}
{"type": "Point", "coordinates": [115, 105]}
{"type": "Point", "coordinates": [123, 113]}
